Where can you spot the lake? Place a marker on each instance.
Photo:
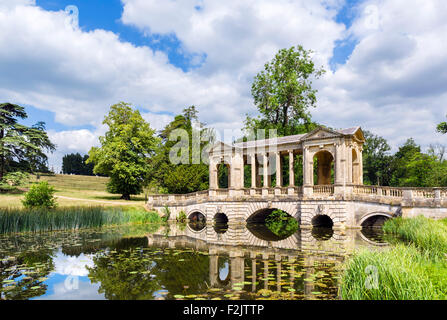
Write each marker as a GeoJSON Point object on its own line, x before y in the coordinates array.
{"type": "Point", "coordinates": [190, 261]}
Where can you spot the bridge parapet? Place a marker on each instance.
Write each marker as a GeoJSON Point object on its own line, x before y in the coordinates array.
{"type": "Point", "coordinates": [428, 197]}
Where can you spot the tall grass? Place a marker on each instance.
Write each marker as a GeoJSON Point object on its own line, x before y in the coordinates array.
{"type": "Point", "coordinates": [413, 268]}
{"type": "Point", "coordinates": [426, 234]}
{"type": "Point", "coordinates": [35, 220]}
{"type": "Point", "coordinates": [401, 274]}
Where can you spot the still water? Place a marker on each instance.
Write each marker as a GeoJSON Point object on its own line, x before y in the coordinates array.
{"type": "Point", "coordinates": [178, 262]}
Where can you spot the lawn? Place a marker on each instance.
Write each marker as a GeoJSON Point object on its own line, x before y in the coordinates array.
{"type": "Point", "coordinates": [73, 190]}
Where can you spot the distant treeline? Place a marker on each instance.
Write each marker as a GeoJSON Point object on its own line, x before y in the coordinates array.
{"type": "Point", "coordinates": [74, 163]}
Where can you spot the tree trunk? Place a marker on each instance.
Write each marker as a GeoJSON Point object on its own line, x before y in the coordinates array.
{"type": "Point", "coordinates": [125, 197]}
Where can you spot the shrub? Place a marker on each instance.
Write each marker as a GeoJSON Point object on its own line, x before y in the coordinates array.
{"type": "Point", "coordinates": [14, 180]}
{"type": "Point", "coordinates": [165, 218]}
{"type": "Point", "coordinates": [181, 218]}
{"type": "Point", "coordinates": [40, 195]}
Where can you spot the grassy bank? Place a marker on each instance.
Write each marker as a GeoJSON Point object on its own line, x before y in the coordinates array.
{"type": "Point", "coordinates": [75, 190]}
{"type": "Point", "coordinates": [35, 220]}
{"type": "Point", "coordinates": [413, 268]}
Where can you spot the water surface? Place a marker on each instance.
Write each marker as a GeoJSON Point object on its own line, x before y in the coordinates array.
{"type": "Point", "coordinates": [193, 261]}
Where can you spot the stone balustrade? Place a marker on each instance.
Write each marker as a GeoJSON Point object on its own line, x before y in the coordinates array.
{"type": "Point", "coordinates": [354, 192]}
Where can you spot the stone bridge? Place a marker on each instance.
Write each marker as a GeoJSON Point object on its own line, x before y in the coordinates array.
{"type": "Point", "coordinates": [251, 178]}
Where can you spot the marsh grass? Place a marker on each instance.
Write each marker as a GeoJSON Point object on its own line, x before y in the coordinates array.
{"type": "Point", "coordinates": [426, 234]}
{"type": "Point", "coordinates": [402, 274]}
{"type": "Point", "coordinates": [414, 268]}
{"type": "Point", "coordinates": [36, 220]}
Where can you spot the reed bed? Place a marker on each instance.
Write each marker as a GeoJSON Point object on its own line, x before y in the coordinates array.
{"type": "Point", "coordinates": [414, 268]}
{"type": "Point", "coordinates": [400, 273]}
{"type": "Point", "coordinates": [426, 234]}
{"type": "Point", "coordinates": [37, 220]}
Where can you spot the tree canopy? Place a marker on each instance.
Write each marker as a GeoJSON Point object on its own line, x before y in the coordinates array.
{"type": "Point", "coordinates": [125, 150]}
{"type": "Point", "coordinates": [22, 147]}
{"type": "Point", "coordinates": [283, 93]}
{"type": "Point", "coordinates": [75, 163]}
{"type": "Point", "coordinates": [442, 127]}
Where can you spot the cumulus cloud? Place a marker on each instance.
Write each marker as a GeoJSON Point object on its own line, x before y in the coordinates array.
{"type": "Point", "coordinates": [394, 82]}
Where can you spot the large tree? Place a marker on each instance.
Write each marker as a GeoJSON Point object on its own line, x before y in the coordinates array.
{"type": "Point", "coordinates": [124, 151]}
{"type": "Point", "coordinates": [21, 146]}
{"type": "Point", "coordinates": [191, 174]}
{"type": "Point", "coordinates": [283, 93]}
{"type": "Point", "coordinates": [376, 160]}
{"type": "Point", "coordinates": [75, 163]}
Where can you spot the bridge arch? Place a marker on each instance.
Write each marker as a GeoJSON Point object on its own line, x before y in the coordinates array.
{"type": "Point", "coordinates": [374, 219]}
{"type": "Point", "coordinates": [322, 221]}
{"type": "Point", "coordinates": [221, 218]}
{"type": "Point", "coordinates": [288, 207]}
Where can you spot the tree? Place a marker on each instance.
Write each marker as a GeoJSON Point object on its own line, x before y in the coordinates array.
{"type": "Point", "coordinates": [376, 160]}
{"type": "Point", "coordinates": [124, 151]}
{"type": "Point", "coordinates": [190, 175]}
{"type": "Point", "coordinates": [21, 146]}
{"type": "Point", "coordinates": [283, 93]}
{"type": "Point", "coordinates": [74, 163]}
{"type": "Point", "coordinates": [442, 127]}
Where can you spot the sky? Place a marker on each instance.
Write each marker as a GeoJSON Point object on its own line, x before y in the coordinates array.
{"type": "Point", "coordinates": [68, 61]}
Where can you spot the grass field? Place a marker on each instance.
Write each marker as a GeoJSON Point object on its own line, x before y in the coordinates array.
{"type": "Point", "coordinates": [72, 190]}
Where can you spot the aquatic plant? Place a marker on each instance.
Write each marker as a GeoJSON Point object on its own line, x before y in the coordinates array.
{"type": "Point", "coordinates": [42, 219]}
{"type": "Point", "coordinates": [426, 234]}
{"type": "Point", "coordinates": [399, 273]}
{"type": "Point", "coordinates": [167, 214]}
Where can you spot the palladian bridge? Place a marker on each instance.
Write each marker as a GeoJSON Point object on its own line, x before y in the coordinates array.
{"type": "Point", "coordinates": [327, 191]}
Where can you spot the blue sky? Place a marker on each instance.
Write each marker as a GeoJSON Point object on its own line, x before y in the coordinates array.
{"type": "Point", "coordinates": [385, 62]}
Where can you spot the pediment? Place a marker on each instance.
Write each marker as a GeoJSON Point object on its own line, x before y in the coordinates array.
{"type": "Point", "coordinates": [321, 133]}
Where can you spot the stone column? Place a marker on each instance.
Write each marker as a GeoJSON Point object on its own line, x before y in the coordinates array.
{"type": "Point", "coordinates": [253, 170]}
{"type": "Point", "coordinates": [308, 173]}
{"type": "Point", "coordinates": [291, 171]}
{"type": "Point", "coordinates": [350, 165]}
{"type": "Point", "coordinates": [213, 175]}
{"type": "Point", "coordinates": [266, 172]}
{"type": "Point", "coordinates": [278, 170]}
{"type": "Point", "coordinates": [338, 179]}
{"type": "Point", "coordinates": [360, 157]}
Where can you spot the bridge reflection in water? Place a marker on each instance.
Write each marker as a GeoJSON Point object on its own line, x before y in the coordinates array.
{"type": "Point", "coordinates": [306, 262]}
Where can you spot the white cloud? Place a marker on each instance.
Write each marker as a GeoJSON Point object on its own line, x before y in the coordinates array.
{"type": "Point", "coordinates": [394, 83]}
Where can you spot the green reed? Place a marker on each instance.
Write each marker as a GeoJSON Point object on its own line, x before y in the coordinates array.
{"type": "Point", "coordinates": [415, 267]}
{"type": "Point", "coordinates": [35, 220]}
{"type": "Point", "coordinates": [426, 234]}
{"type": "Point", "coordinates": [400, 273]}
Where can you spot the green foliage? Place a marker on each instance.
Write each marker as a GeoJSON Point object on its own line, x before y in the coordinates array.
{"type": "Point", "coordinates": [124, 151]}
{"type": "Point", "coordinates": [283, 93]}
{"type": "Point", "coordinates": [41, 219]}
{"type": "Point", "coordinates": [13, 180]}
{"type": "Point", "coordinates": [76, 164]}
{"type": "Point", "coordinates": [403, 273]}
{"type": "Point", "coordinates": [191, 174]}
{"type": "Point", "coordinates": [281, 223]}
{"type": "Point", "coordinates": [426, 234]}
{"type": "Point", "coordinates": [413, 269]}
{"type": "Point", "coordinates": [167, 214]}
{"type": "Point", "coordinates": [442, 127]}
{"type": "Point", "coordinates": [40, 195]}
{"type": "Point", "coordinates": [22, 147]}
{"type": "Point", "coordinates": [182, 217]}
{"type": "Point", "coordinates": [376, 160]}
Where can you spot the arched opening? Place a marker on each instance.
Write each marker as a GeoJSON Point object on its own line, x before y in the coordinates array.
{"type": "Point", "coordinates": [375, 220]}
{"type": "Point", "coordinates": [260, 226]}
{"type": "Point", "coordinates": [197, 221]}
{"type": "Point", "coordinates": [220, 218]}
{"type": "Point", "coordinates": [323, 168]}
{"type": "Point", "coordinates": [355, 168]}
{"type": "Point", "coordinates": [220, 223]}
{"type": "Point", "coordinates": [322, 221]}
{"type": "Point", "coordinates": [223, 175]}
